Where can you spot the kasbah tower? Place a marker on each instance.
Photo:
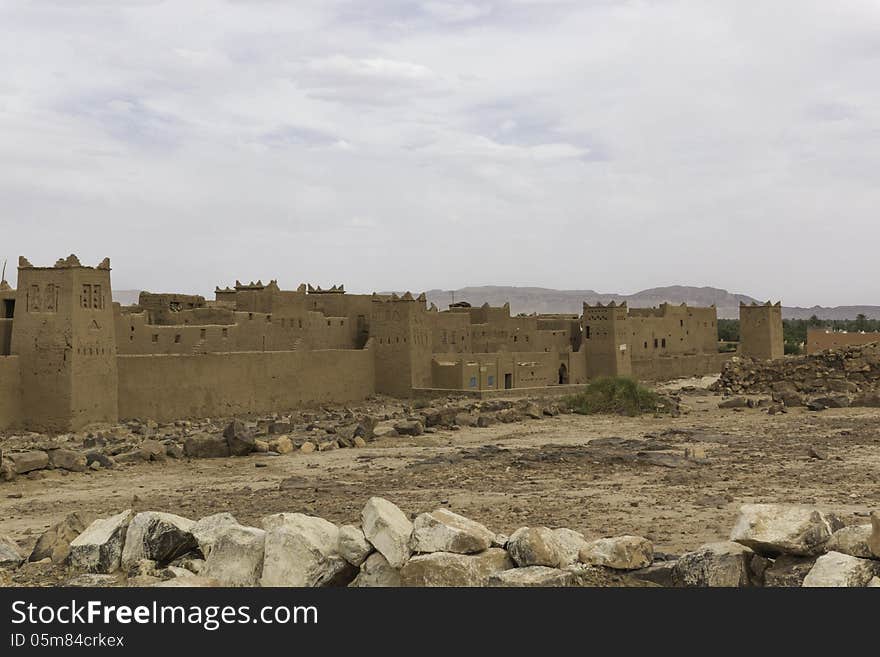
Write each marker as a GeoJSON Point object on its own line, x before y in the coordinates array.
{"type": "Point", "coordinates": [66, 345]}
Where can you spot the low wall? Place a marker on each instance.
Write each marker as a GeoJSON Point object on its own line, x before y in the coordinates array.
{"type": "Point", "coordinates": [511, 393]}
{"type": "Point", "coordinates": [664, 368]}
{"type": "Point", "coordinates": [166, 387]}
{"type": "Point", "coordinates": [10, 392]}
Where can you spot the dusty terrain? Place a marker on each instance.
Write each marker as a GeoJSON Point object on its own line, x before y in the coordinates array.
{"type": "Point", "coordinates": [600, 475]}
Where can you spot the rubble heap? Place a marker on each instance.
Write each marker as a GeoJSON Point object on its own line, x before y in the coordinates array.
{"type": "Point", "coordinates": [770, 545]}
{"type": "Point", "coordinates": [143, 440]}
{"type": "Point", "coordinates": [838, 377]}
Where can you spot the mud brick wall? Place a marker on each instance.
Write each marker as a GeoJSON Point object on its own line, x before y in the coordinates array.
{"type": "Point", "coordinates": [165, 387]}
{"type": "Point", "coordinates": [10, 392]}
{"type": "Point", "coordinates": [663, 368]}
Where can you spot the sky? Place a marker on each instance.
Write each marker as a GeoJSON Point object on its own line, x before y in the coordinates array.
{"type": "Point", "coordinates": [391, 144]}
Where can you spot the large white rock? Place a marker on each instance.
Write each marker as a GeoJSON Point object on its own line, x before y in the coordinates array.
{"type": "Point", "coordinates": [206, 530]}
{"type": "Point", "coordinates": [535, 546]}
{"type": "Point", "coordinates": [236, 558]}
{"type": "Point", "coordinates": [353, 545]}
{"type": "Point", "coordinates": [10, 555]}
{"type": "Point", "coordinates": [620, 552]}
{"type": "Point", "coordinates": [533, 577]}
{"type": "Point", "coordinates": [302, 550]}
{"type": "Point", "coordinates": [377, 572]}
{"type": "Point", "coordinates": [874, 539]}
{"type": "Point", "coordinates": [450, 569]}
{"type": "Point", "coordinates": [55, 541]}
{"type": "Point", "coordinates": [838, 569]}
{"type": "Point", "coordinates": [387, 529]}
{"type": "Point", "coordinates": [445, 531]}
{"type": "Point", "coordinates": [773, 529]}
{"type": "Point", "coordinates": [570, 544]}
{"type": "Point", "coordinates": [99, 548]}
{"type": "Point", "coordinates": [160, 537]}
{"type": "Point", "coordinates": [724, 564]}
{"type": "Point", "coordinates": [852, 540]}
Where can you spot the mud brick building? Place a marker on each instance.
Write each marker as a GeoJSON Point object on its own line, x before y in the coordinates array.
{"type": "Point", "coordinates": [70, 356]}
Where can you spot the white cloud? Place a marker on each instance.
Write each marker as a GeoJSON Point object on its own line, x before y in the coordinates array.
{"type": "Point", "coordinates": [607, 145]}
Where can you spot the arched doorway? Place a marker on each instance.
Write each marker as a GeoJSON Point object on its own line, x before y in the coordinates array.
{"type": "Point", "coordinates": [563, 374]}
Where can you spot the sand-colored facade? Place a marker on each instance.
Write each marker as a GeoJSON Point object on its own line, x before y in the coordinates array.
{"type": "Point", "coordinates": [820, 339]}
{"type": "Point", "coordinates": [70, 357]}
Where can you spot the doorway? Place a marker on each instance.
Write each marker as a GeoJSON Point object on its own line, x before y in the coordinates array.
{"type": "Point", "coordinates": [563, 374]}
{"type": "Point", "coordinates": [508, 381]}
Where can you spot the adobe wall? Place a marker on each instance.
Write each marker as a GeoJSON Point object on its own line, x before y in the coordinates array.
{"type": "Point", "coordinates": [10, 392]}
{"type": "Point", "coordinates": [165, 387]}
{"type": "Point", "coordinates": [672, 330]}
{"type": "Point", "coordinates": [489, 371]}
{"type": "Point", "coordinates": [822, 339]}
{"type": "Point", "coordinates": [663, 368]}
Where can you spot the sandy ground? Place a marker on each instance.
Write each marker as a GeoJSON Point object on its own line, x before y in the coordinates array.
{"type": "Point", "coordinates": [598, 475]}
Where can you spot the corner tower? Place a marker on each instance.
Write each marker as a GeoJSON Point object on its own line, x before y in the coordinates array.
{"type": "Point", "coordinates": [66, 343]}
{"type": "Point", "coordinates": [760, 331]}
{"type": "Point", "coordinates": [606, 340]}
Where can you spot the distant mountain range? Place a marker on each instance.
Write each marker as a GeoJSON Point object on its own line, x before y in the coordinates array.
{"type": "Point", "coordinates": [546, 300]}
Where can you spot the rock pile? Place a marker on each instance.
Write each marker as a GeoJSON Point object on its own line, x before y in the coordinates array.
{"type": "Point", "coordinates": [770, 545]}
{"type": "Point", "coordinates": [142, 441]}
{"type": "Point", "coordinates": [829, 379]}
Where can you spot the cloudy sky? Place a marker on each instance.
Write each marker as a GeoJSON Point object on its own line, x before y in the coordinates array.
{"type": "Point", "coordinates": [388, 144]}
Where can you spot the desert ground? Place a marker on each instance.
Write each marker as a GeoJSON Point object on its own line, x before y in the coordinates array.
{"type": "Point", "coordinates": [678, 481]}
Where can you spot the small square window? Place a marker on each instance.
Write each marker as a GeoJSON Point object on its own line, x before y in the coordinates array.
{"type": "Point", "coordinates": [225, 333]}
{"type": "Point", "coordinates": [155, 337]}
{"type": "Point", "coordinates": [177, 338]}
{"type": "Point", "coordinates": [473, 383]}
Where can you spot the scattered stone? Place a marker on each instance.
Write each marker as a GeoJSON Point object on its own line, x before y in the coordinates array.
{"type": "Point", "coordinates": [387, 529]}
{"type": "Point", "coordinates": [534, 546]}
{"type": "Point", "coordinates": [788, 571]}
{"type": "Point", "coordinates": [99, 548]}
{"type": "Point", "coordinates": [236, 558]}
{"type": "Point", "coordinates": [10, 556]}
{"type": "Point", "coordinates": [773, 529]}
{"type": "Point", "coordinates": [207, 530]}
{"type": "Point", "coordinates": [239, 439]}
{"type": "Point", "coordinates": [377, 572]}
{"type": "Point", "coordinates": [620, 553]}
{"type": "Point", "coordinates": [409, 428]}
{"type": "Point", "coordinates": [67, 459]}
{"type": "Point", "coordinates": [466, 419]}
{"type": "Point", "coordinates": [724, 564]}
{"type": "Point", "coordinates": [283, 445]}
{"type": "Point", "coordinates": [159, 537]}
{"type": "Point", "coordinates": [307, 447]}
{"type": "Point", "coordinates": [841, 570]}
{"type": "Point", "coordinates": [24, 462]}
{"type": "Point", "coordinates": [301, 551]}
{"type": "Point", "coordinates": [852, 540]}
{"type": "Point", "coordinates": [445, 531]}
{"type": "Point", "coordinates": [570, 544]}
{"type": "Point", "coordinates": [874, 539]}
{"type": "Point", "coordinates": [103, 460]}
{"type": "Point", "coordinates": [154, 450]}
{"type": "Point", "coordinates": [55, 541]}
{"type": "Point", "coordinates": [353, 545]}
{"type": "Point", "coordinates": [734, 402]}
{"type": "Point", "coordinates": [205, 446]}
{"type": "Point", "coordinates": [449, 569]}
{"type": "Point", "coordinates": [533, 576]}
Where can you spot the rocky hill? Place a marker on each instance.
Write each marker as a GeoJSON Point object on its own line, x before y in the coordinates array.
{"type": "Point", "coordinates": [545, 300]}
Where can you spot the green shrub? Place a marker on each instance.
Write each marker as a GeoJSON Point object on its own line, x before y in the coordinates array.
{"type": "Point", "coordinates": [618, 395]}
